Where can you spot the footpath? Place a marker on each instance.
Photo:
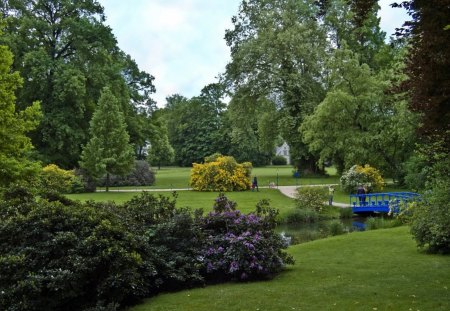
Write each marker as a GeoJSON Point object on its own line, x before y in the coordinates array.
{"type": "Point", "coordinates": [291, 191]}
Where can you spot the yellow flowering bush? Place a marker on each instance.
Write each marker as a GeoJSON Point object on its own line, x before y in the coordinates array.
{"type": "Point", "coordinates": [57, 179]}
{"type": "Point", "coordinates": [362, 175]}
{"type": "Point", "coordinates": [221, 173]}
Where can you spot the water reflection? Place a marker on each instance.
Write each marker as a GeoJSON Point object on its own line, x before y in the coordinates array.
{"type": "Point", "coordinates": [305, 232]}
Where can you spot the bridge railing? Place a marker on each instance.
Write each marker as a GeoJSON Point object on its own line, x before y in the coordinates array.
{"type": "Point", "coordinates": [380, 202]}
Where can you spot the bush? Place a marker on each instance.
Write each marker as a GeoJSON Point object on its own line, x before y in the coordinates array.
{"type": "Point", "coordinates": [279, 160]}
{"type": "Point", "coordinates": [220, 173]}
{"type": "Point", "coordinates": [358, 175]}
{"type": "Point", "coordinates": [96, 255]}
{"type": "Point", "coordinates": [58, 180]}
{"type": "Point", "coordinates": [346, 213]}
{"type": "Point", "coordinates": [313, 198]}
{"type": "Point", "coordinates": [301, 215]}
{"type": "Point", "coordinates": [67, 258]}
{"type": "Point", "coordinates": [99, 256]}
{"type": "Point", "coordinates": [430, 220]}
{"type": "Point", "coordinates": [336, 228]}
{"type": "Point", "coordinates": [141, 175]}
{"type": "Point", "coordinates": [242, 247]}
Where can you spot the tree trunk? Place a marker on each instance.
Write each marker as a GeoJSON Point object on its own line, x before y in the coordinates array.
{"type": "Point", "coordinates": [107, 182]}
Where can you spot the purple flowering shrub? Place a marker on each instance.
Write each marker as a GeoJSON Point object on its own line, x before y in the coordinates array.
{"type": "Point", "coordinates": [242, 247]}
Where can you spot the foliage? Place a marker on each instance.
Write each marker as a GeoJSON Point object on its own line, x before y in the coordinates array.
{"type": "Point", "coordinates": [277, 49]}
{"type": "Point", "coordinates": [336, 228]}
{"type": "Point", "coordinates": [59, 254]}
{"type": "Point", "coordinates": [56, 257]}
{"type": "Point", "coordinates": [160, 151]}
{"type": "Point", "coordinates": [73, 257]}
{"type": "Point", "coordinates": [326, 263]}
{"type": "Point", "coordinates": [253, 129]}
{"type": "Point", "coordinates": [360, 121]}
{"type": "Point", "coordinates": [301, 216]}
{"type": "Point", "coordinates": [279, 160]}
{"type": "Point", "coordinates": [242, 247]}
{"type": "Point", "coordinates": [427, 162]}
{"type": "Point", "coordinates": [15, 165]}
{"type": "Point", "coordinates": [70, 57]}
{"type": "Point", "coordinates": [220, 173]}
{"type": "Point", "coordinates": [108, 150]}
{"type": "Point", "coordinates": [186, 118]}
{"type": "Point", "coordinates": [59, 180]}
{"type": "Point", "coordinates": [428, 64]}
{"type": "Point", "coordinates": [346, 213]}
{"type": "Point", "coordinates": [362, 176]}
{"type": "Point", "coordinates": [141, 175]}
{"type": "Point", "coordinates": [312, 198]}
{"type": "Point", "coordinates": [174, 241]}
{"type": "Point", "coordinates": [430, 218]}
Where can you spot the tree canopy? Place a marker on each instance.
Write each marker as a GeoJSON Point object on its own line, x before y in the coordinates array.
{"type": "Point", "coordinates": [68, 55]}
{"type": "Point", "coordinates": [15, 147]}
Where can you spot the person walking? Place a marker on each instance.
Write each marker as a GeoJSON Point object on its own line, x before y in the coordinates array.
{"type": "Point", "coordinates": [330, 195]}
{"type": "Point", "coordinates": [255, 184]}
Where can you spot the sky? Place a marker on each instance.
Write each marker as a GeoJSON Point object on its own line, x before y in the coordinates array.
{"type": "Point", "coordinates": [181, 42]}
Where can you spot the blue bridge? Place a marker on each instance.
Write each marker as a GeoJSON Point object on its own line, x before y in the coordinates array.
{"type": "Point", "coordinates": [381, 202]}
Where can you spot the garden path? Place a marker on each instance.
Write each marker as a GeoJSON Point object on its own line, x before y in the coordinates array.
{"type": "Point", "coordinates": [290, 191]}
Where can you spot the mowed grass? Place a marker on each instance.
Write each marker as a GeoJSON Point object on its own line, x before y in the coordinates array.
{"type": "Point", "coordinates": [372, 270]}
{"type": "Point", "coordinates": [178, 177]}
{"type": "Point", "coordinates": [246, 200]}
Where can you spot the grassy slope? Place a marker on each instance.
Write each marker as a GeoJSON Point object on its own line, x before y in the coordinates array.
{"type": "Point", "coordinates": [373, 270]}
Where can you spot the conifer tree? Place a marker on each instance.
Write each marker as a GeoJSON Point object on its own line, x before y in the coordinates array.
{"type": "Point", "coordinates": [108, 150]}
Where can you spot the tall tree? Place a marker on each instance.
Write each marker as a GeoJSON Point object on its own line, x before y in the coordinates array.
{"type": "Point", "coordinates": [108, 150]}
{"type": "Point", "coordinates": [160, 151]}
{"type": "Point", "coordinates": [360, 121]}
{"type": "Point", "coordinates": [194, 126]}
{"type": "Point", "coordinates": [68, 55]}
{"type": "Point", "coordinates": [428, 64]}
{"type": "Point", "coordinates": [15, 146]}
{"type": "Point", "coordinates": [277, 47]}
{"type": "Point", "coordinates": [355, 23]}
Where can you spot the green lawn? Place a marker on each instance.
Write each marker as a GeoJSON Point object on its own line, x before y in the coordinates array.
{"type": "Point", "coordinates": [178, 177]}
{"type": "Point", "coordinates": [373, 270]}
{"type": "Point", "coordinates": [246, 200]}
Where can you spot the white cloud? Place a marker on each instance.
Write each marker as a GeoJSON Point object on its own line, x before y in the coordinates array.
{"type": "Point", "coordinates": [181, 42]}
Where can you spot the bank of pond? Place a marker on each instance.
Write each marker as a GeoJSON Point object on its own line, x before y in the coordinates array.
{"type": "Point", "coordinates": [301, 232]}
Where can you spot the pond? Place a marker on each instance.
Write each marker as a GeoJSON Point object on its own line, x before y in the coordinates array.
{"type": "Point", "coordinates": [305, 232]}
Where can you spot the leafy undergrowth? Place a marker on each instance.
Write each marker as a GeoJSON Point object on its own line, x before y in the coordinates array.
{"type": "Point", "coordinates": [373, 270]}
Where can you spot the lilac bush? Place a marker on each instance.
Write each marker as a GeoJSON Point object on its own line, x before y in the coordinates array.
{"type": "Point", "coordinates": [241, 247]}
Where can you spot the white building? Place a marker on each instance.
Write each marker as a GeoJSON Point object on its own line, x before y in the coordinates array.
{"type": "Point", "coordinates": [283, 151]}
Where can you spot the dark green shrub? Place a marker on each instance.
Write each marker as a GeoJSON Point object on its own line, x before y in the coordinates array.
{"type": "Point", "coordinates": [177, 244]}
{"type": "Point", "coordinates": [313, 198]}
{"type": "Point", "coordinates": [336, 228]}
{"type": "Point", "coordinates": [430, 220]}
{"type": "Point", "coordinates": [141, 175]}
{"type": "Point", "coordinates": [56, 257]}
{"type": "Point", "coordinates": [373, 223]}
{"type": "Point", "coordinates": [279, 160]}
